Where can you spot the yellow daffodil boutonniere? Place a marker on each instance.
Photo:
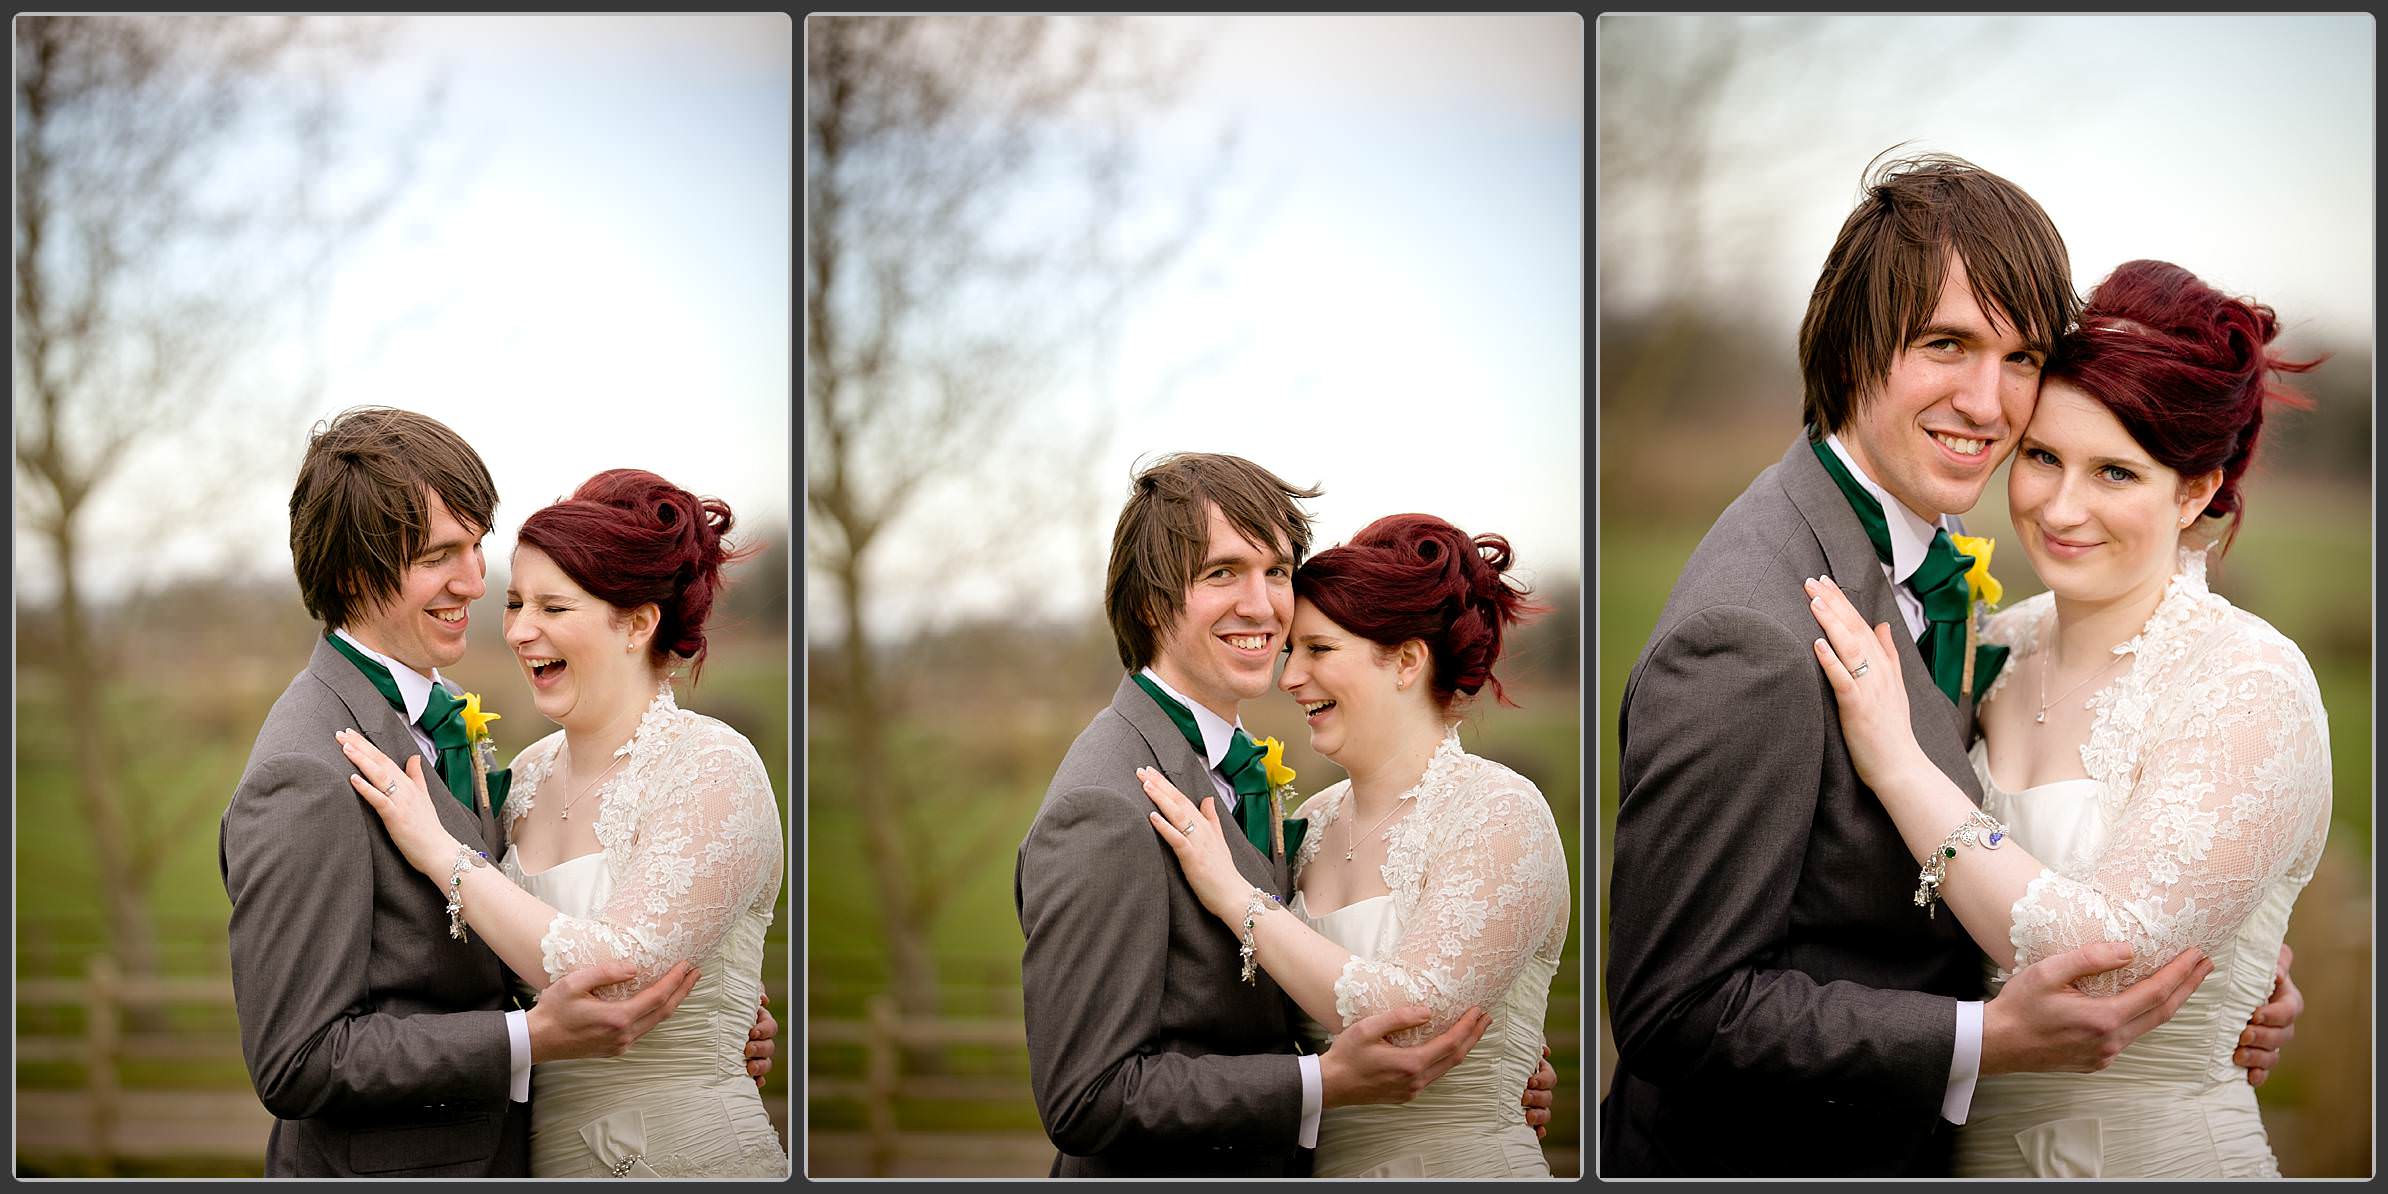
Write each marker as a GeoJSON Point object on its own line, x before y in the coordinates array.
{"type": "Point", "coordinates": [1281, 794]}
{"type": "Point", "coordinates": [476, 723]}
{"type": "Point", "coordinates": [1272, 757]}
{"type": "Point", "coordinates": [1978, 581]}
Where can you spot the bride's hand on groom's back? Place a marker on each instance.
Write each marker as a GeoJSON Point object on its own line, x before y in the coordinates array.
{"type": "Point", "coordinates": [2041, 1023]}
{"type": "Point", "coordinates": [1363, 1067]}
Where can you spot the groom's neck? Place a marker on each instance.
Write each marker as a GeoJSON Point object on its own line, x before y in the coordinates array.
{"type": "Point", "coordinates": [1186, 691]}
{"type": "Point", "coordinates": [387, 658]}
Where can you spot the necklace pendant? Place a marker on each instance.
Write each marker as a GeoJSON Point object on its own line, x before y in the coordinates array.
{"type": "Point", "coordinates": [567, 815]}
{"type": "Point", "coordinates": [1347, 855]}
{"type": "Point", "coordinates": [2041, 717]}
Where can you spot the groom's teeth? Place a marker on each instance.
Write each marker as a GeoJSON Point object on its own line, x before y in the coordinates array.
{"type": "Point", "coordinates": [1248, 642]}
{"type": "Point", "coordinates": [1962, 447]}
{"type": "Point", "coordinates": [448, 615]}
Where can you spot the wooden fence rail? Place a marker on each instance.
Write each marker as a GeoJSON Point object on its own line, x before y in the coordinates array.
{"type": "Point", "coordinates": [885, 1036]}
{"type": "Point", "coordinates": [89, 1122]}
{"type": "Point", "coordinates": [102, 1122]}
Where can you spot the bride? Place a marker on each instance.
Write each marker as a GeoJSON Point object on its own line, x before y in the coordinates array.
{"type": "Point", "coordinates": [640, 832]}
{"type": "Point", "coordinates": [2161, 757]}
{"type": "Point", "coordinates": [1430, 876]}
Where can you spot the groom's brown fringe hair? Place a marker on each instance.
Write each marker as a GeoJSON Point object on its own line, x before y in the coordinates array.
{"type": "Point", "coordinates": [1163, 536]}
{"type": "Point", "coordinates": [357, 515]}
{"type": "Point", "coordinates": [1882, 279]}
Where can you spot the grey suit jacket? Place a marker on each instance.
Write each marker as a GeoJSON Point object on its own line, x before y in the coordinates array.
{"type": "Point", "coordinates": [378, 1042]}
{"type": "Point", "coordinates": [1147, 1055]}
{"type": "Point", "coordinates": [1780, 1004]}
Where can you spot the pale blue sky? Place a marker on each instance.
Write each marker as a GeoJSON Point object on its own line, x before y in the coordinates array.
{"type": "Point", "coordinates": [1389, 302]}
{"type": "Point", "coordinates": [2241, 147]}
{"type": "Point", "coordinates": [592, 269]}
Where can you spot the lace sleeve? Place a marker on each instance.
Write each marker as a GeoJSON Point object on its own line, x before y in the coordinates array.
{"type": "Point", "coordinates": [2233, 796]}
{"type": "Point", "coordinates": [705, 847]}
{"type": "Point", "coordinates": [1494, 891]}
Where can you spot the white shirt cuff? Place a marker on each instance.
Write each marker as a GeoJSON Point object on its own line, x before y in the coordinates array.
{"type": "Point", "coordinates": [1965, 1064]}
{"type": "Point", "coordinates": [518, 1041]}
{"type": "Point", "coordinates": [1313, 1095]}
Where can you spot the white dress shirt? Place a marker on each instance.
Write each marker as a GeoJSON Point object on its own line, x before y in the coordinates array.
{"type": "Point", "coordinates": [1217, 736]}
{"type": "Point", "coordinates": [1911, 538]}
{"type": "Point", "coordinates": [415, 689]}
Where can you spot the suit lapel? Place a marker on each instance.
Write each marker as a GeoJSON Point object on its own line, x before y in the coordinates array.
{"type": "Point", "coordinates": [1858, 571]}
{"type": "Point", "coordinates": [386, 729]}
{"type": "Point", "coordinates": [1192, 776]}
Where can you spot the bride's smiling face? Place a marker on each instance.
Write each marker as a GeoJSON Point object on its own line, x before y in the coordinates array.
{"type": "Point", "coordinates": [2098, 516]}
{"type": "Point", "coordinates": [574, 649]}
{"type": "Point", "coordinates": [1346, 685]}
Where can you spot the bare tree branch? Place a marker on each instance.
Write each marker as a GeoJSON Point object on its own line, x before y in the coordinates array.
{"type": "Point", "coordinates": [151, 250]}
{"type": "Point", "coordinates": [969, 183]}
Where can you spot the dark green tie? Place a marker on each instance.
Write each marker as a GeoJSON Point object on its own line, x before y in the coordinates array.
{"type": "Point", "coordinates": [1246, 774]}
{"type": "Point", "coordinates": [1251, 783]}
{"type": "Point", "coordinates": [442, 722]}
{"type": "Point", "coordinates": [1939, 582]}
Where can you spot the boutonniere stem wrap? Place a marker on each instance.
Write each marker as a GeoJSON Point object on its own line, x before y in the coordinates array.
{"type": "Point", "coordinates": [1281, 795]}
{"type": "Point", "coordinates": [1982, 660]}
{"type": "Point", "coordinates": [484, 747]}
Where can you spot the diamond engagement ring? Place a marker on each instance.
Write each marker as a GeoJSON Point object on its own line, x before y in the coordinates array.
{"type": "Point", "coordinates": [1860, 669]}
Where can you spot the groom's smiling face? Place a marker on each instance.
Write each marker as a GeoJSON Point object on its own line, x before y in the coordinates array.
{"type": "Point", "coordinates": [423, 627]}
{"type": "Point", "coordinates": [1958, 393]}
{"type": "Point", "coordinates": [1223, 646]}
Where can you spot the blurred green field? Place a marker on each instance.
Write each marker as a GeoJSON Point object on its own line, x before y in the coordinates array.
{"type": "Point", "coordinates": [2290, 566]}
{"type": "Point", "coordinates": [186, 735]}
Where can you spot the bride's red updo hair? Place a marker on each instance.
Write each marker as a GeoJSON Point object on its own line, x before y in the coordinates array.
{"type": "Point", "coordinates": [629, 537]}
{"type": "Point", "coordinates": [1415, 576]}
{"type": "Point", "coordinates": [2185, 368]}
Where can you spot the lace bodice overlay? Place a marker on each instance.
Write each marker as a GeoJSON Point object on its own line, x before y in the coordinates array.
{"type": "Point", "coordinates": [691, 843]}
{"type": "Point", "coordinates": [2211, 757]}
{"type": "Point", "coordinates": [1479, 888]}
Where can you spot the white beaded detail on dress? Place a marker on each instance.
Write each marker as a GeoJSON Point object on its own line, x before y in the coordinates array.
{"type": "Point", "coordinates": [1476, 916]}
{"type": "Point", "coordinates": [691, 838]}
{"type": "Point", "coordinates": [2211, 753]}
{"type": "Point", "coordinates": [2201, 817]}
{"type": "Point", "coordinates": [689, 867]}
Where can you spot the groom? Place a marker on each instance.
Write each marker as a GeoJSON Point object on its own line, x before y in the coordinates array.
{"type": "Point", "coordinates": [383, 1045]}
{"type": "Point", "coordinates": [1148, 1057]}
{"type": "Point", "coordinates": [1781, 1005]}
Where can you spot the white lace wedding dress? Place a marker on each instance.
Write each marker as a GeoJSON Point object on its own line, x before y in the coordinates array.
{"type": "Point", "coordinates": [1475, 918]}
{"type": "Point", "coordinates": [689, 867]}
{"type": "Point", "coordinates": [2202, 815]}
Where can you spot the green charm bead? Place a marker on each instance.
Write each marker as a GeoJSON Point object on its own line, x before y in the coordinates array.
{"type": "Point", "coordinates": [1949, 851]}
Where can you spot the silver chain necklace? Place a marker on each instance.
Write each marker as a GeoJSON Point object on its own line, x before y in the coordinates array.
{"type": "Point", "coordinates": [591, 787]}
{"type": "Point", "coordinates": [2041, 718]}
{"type": "Point", "coordinates": [1380, 824]}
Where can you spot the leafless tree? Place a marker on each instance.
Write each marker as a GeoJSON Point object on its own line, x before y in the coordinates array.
{"type": "Point", "coordinates": [973, 223]}
{"type": "Point", "coordinates": [176, 191]}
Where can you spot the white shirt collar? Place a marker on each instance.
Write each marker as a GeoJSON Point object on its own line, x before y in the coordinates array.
{"type": "Point", "coordinates": [1910, 537]}
{"type": "Point", "coordinates": [1217, 734]}
{"type": "Point", "coordinates": [412, 685]}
